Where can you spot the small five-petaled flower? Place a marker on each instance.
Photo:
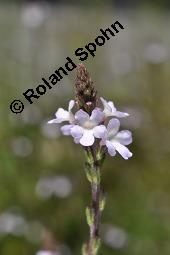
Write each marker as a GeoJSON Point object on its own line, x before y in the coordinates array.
{"type": "Point", "coordinates": [102, 124]}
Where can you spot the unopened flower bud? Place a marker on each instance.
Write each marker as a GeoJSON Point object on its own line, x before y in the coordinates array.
{"type": "Point", "coordinates": [86, 95]}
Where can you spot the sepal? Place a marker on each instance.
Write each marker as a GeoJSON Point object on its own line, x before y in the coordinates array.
{"type": "Point", "coordinates": [89, 216]}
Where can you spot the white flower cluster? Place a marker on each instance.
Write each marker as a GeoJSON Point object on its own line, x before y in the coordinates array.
{"type": "Point", "coordinates": [84, 128]}
{"type": "Point", "coordinates": [46, 253]}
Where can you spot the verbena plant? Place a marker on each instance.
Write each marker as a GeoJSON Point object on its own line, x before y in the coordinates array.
{"type": "Point", "coordinates": [97, 130]}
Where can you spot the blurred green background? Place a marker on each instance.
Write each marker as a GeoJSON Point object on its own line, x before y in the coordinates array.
{"type": "Point", "coordinates": [43, 188]}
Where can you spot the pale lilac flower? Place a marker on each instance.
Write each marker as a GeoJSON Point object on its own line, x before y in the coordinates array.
{"type": "Point", "coordinates": [115, 140]}
{"type": "Point", "coordinates": [63, 115]}
{"type": "Point", "coordinates": [46, 253]}
{"type": "Point", "coordinates": [86, 128]}
{"type": "Point", "coordinates": [110, 109]}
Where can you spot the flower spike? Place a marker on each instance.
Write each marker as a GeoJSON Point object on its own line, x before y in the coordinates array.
{"type": "Point", "coordinates": [97, 130]}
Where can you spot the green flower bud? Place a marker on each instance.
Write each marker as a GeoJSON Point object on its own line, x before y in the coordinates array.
{"type": "Point", "coordinates": [89, 216]}
{"type": "Point", "coordinates": [102, 202]}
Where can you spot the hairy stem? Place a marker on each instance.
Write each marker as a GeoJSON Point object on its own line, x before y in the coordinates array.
{"type": "Point", "coordinates": [94, 228]}
{"type": "Point", "coordinates": [93, 213]}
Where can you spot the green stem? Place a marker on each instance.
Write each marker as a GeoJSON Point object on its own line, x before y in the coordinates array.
{"type": "Point", "coordinates": [94, 228]}
{"type": "Point", "coordinates": [93, 213]}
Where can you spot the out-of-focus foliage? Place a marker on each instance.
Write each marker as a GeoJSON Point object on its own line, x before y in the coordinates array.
{"type": "Point", "coordinates": [43, 188]}
{"type": "Point", "coordinates": [115, 3]}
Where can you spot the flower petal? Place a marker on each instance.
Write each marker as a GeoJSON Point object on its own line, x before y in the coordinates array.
{"type": "Point", "coordinates": [121, 114]}
{"type": "Point", "coordinates": [77, 131]}
{"type": "Point", "coordinates": [62, 115]}
{"type": "Point", "coordinates": [88, 138]}
{"type": "Point", "coordinates": [124, 137]}
{"type": "Point", "coordinates": [97, 116]}
{"type": "Point", "coordinates": [113, 108]}
{"type": "Point", "coordinates": [71, 105]}
{"type": "Point", "coordinates": [123, 150]}
{"type": "Point", "coordinates": [111, 148]}
{"type": "Point", "coordinates": [81, 116]}
{"type": "Point", "coordinates": [105, 104]}
{"type": "Point", "coordinates": [100, 132]}
{"type": "Point", "coordinates": [54, 121]}
{"type": "Point", "coordinates": [113, 127]}
{"type": "Point", "coordinates": [66, 129]}
{"type": "Point", "coordinates": [77, 140]}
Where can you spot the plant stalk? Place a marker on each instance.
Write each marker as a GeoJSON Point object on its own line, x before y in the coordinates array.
{"type": "Point", "coordinates": [94, 228]}
{"type": "Point", "coordinates": [93, 213]}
